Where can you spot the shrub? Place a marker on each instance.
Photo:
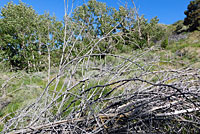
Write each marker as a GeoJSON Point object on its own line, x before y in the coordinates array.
{"type": "Point", "coordinates": [164, 43]}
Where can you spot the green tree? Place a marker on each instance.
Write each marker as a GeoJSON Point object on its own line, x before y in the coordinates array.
{"type": "Point", "coordinates": [149, 32]}
{"type": "Point", "coordinates": [193, 15]}
{"type": "Point", "coordinates": [96, 16]}
{"type": "Point", "coordinates": [179, 26]}
{"type": "Point", "coordinates": [26, 36]}
{"type": "Point", "coordinates": [17, 32]}
{"type": "Point", "coordinates": [152, 31]}
{"type": "Point", "coordinates": [98, 20]}
{"type": "Point", "coordinates": [49, 38]}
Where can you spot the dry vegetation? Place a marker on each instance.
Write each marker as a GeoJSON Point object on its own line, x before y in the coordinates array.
{"type": "Point", "coordinates": [133, 93]}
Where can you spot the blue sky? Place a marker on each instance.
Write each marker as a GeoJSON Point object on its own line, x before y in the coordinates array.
{"type": "Point", "coordinates": [168, 11]}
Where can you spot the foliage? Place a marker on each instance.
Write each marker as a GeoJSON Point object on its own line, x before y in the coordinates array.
{"type": "Point", "coordinates": [26, 35]}
{"type": "Point", "coordinates": [164, 43]}
{"type": "Point", "coordinates": [97, 17]}
{"type": "Point", "coordinates": [99, 20]}
{"type": "Point", "coordinates": [149, 32]}
{"type": "Point", "coordinates": [17, 31]}
{"type": "Point", "coordinates": [179, 26]}
{"type": "Point", "coordinates": [193, 15]}
{"type": "Point", "coordinates": [152, 31]}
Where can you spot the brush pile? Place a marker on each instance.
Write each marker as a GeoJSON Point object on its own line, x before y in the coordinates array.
{"type": "Point", "coordinates": [133, 95]}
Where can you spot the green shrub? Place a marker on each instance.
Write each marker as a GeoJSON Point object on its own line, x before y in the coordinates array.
{"type": "Point", "coordinates": [164, 43]}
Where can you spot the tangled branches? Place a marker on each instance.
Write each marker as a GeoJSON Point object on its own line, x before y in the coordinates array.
{"type": "Point", "coordinates": [127, 96]}
{"type": "Point", "coordinates": [107, 93]}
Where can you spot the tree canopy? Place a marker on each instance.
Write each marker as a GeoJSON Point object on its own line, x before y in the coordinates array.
{"type": "Point", "coordinates": [193, 15]}
{"type": "Point", "coordinates": [28, 39]}
{"type": "Point", "coordinates": [25, 35]}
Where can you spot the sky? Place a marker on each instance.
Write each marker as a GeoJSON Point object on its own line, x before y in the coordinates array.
{"type": "Point", "coordinates": [168, 11]}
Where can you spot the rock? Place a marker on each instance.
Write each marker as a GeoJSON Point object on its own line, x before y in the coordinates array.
{"type": "Point", "coordinates": [177, 37]}
{"type": "Point", "coordinates": [195, 41]}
